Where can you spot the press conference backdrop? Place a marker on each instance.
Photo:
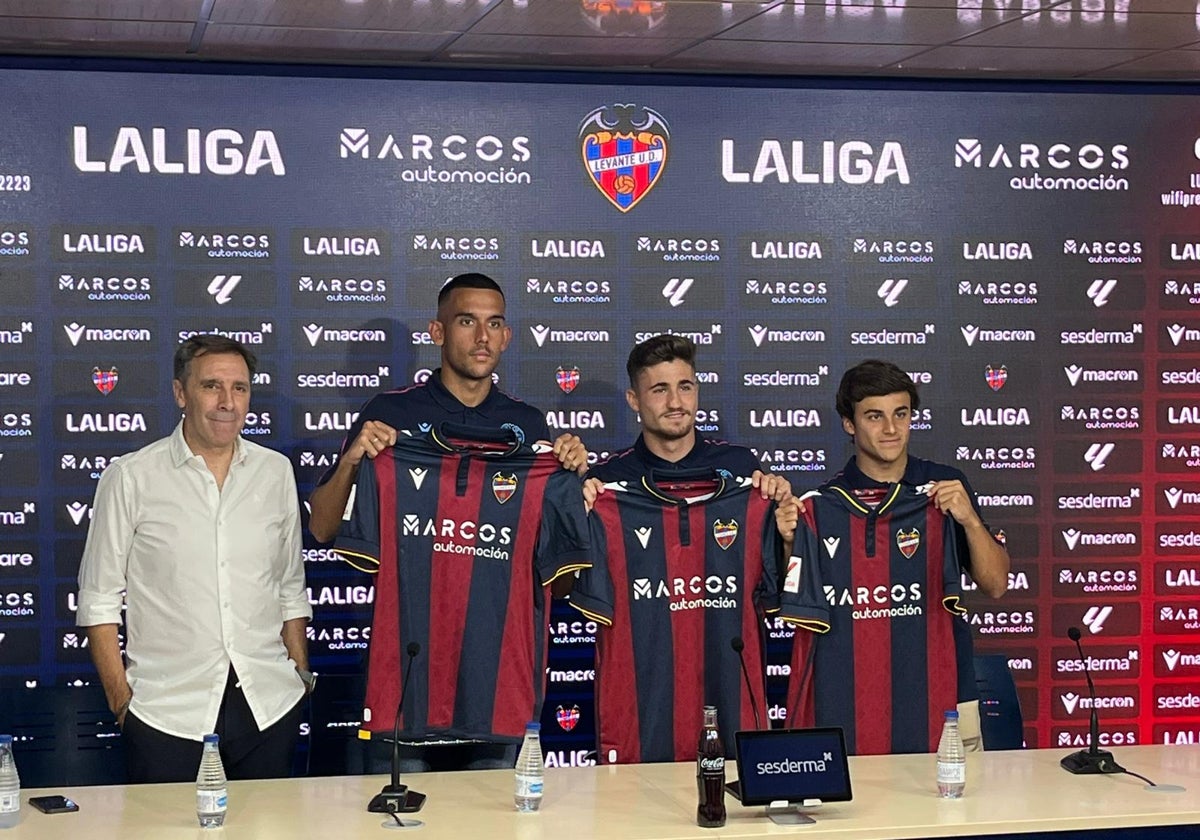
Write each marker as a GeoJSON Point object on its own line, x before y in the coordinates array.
{"type": "Point", "coordinates": [1032, 258]}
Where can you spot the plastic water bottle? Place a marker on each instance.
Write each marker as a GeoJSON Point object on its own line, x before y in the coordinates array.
{"type": "Point", "coordinates": [527, 795]}
{"type": "Point", "coordinates": [951, 760]}
{"type": "Point", "coordinates": [212, 797]}
{"type": "Point", "coordinates": [10, 785]}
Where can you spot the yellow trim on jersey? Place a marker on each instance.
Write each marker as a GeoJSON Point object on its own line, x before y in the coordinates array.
{"type": "Point", "coordinates": [364, 735]}
{"type": "Point", "coordinates": [607, 622]}
{"type": "Point", "coordinates": [654, 491]}
{"type": "Point", "coordinates": [849, 497]}
{"type": "Point", "coordinates": [952, 605]}
{"type": "Point", "coordinates": [346, 554]}
{"type": "Point", "coordinates": [571, 569]}
{"type": "Point", "coordinates": [813, 624]}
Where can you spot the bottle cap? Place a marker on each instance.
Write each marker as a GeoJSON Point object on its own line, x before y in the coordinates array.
{"type": "Point", "coordinates": [952, 714]}
{"type": "Point", "coordinates": [6, 740]}
{"type": "Point", "coordinates": [533, 727]}
{"type": "Point", "coordinates": [212, 739]}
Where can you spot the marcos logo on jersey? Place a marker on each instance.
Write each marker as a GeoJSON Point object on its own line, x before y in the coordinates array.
{"type": "Point", "coordinates": [503, 486]}
{"type": "Point", "coordinates": [624, 150]}
{"type": "Point", "coordinates": [725, 532]}
{"type": "Point", "coordinates": [908, 541]}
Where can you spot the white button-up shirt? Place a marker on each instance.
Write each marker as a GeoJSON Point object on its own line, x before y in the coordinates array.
{"type": "Point", "coordinates": [209, 577]}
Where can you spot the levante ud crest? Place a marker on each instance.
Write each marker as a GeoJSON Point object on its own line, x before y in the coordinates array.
{"type": "Point", "coordinates": [624, 150]}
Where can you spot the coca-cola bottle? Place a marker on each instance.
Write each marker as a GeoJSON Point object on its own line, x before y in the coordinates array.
{"type": "Point", "coordinates": [710, 773]}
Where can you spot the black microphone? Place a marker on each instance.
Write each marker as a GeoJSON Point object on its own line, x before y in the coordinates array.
{"type": "Point", "coordinates": [397, 798]}
{"type": "Point", "coordinates": [738, 646]}
{"type": "Point", "coordinates": [1093, 759]}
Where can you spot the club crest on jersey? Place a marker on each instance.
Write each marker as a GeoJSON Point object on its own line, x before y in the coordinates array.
{"type": "Point", "coordinates": [996, 378]}
{"type": "Point", "coordinates": [908, 541]}
{"type": "Point", "coordinates": [624, 150]}
{"type": "Point", "coordinates": [567, 378]}
{"type": "Point", "coordinates": [503, 486]}
{"type": "Point", "coordinates": [567, 718]}
{"type": "Point", "coordinates": [725, 532]}
{"type": "Point", "coordinates": [104, 380]}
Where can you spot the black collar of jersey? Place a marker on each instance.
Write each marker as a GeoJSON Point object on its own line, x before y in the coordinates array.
{"type": "Point", "coordinates": [441, 435]}
{"type": "Point", "coordinates": [650, 483]}
{"type": "Point", "coordinates": [654, 462]}
{"type": "Point", "coordinates": [446, 400]}
{"type": "Point", "coordinates": [916, 473]}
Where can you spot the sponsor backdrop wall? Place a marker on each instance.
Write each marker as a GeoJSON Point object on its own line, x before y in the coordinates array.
{"type": "Point", "coordinates": [1033, 258]}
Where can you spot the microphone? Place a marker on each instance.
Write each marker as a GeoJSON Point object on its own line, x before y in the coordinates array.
{"type": "Point", "coordinates": [1093, 759]}
{"type": "Point", "coordinates": [397, 798]}
{"type": "Point", "coordinates": [738, 646]}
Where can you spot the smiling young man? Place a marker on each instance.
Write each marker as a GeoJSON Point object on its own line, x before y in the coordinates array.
{"type": "Point", "coordinates": [877, 575]}
{"type": "Point", "coordinates": [198, 535]}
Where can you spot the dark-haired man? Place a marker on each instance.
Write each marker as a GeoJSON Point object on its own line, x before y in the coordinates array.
{"type": "Point", "coordinates": [472, 332]}
{"type": "Point", "coordinates": [199, 535]}
{"type": "Point", "coordinates": [471, 329]}
{"type": "Point", "coordinates": [665, 394]}
{"type": "Point", "coordinates": [906, 527]}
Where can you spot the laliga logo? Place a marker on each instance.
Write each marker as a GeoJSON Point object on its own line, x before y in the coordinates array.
{"type": "Point", "coordinates": [624, 150]}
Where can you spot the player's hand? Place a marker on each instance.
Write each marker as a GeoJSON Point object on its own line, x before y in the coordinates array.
{"type": "Point", "coordinates": [774, 487]}
{"type": "Point", "coordinates": [592, 488]}
{"type": "Point", "coordinates": [373, 439]}
{"type": "Point", "coordinates": [952, 499]}
{"type": "Point", "coordinates": [571, 453]}
{"type": "Point", "coordinates": [787, 517]}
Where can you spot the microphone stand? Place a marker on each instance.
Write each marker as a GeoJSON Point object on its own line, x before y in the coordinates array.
{"type": "Point", "coordinates": [739, 646]}
{"type": "Point", "coordinates": [396, 798]}
{"type": "Point", "coordinates": [1092, 760]}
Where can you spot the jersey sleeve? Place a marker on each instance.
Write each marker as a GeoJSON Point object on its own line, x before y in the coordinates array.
{"type": "Point", "coordinates": [563, 538]}
{"type": "Point", "coordinates": [952, 567]}
{"type": "Point", "coordinates": [593, 593]}
{"type": "Point", "coordinates": [358, 540]}
{"type": "Point", "coordinates": [773, 564]}
{"type": "Point", "coordinates": [802, 594]}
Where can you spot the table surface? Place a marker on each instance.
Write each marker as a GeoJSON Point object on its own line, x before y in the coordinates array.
{"type": "Point", "coordinates": [894, 797]}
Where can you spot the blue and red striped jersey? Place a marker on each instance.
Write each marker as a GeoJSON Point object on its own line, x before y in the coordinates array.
{"type": "Point", "coordinates": [673, 582]}
{"type": "Point", "coordinates": [879, 579]}
{"type": "Point", "coordinates": [465, 528]}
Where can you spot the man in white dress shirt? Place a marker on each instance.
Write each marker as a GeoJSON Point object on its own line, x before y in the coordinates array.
{"type": "Point", "coordinates": [200, 534]}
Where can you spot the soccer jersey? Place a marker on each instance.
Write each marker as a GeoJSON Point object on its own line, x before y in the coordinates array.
{"type": "Point", "coordinates": [421, 407]}
{"type": "Point", "coordinates": [708, 453]}
{"type": "Point", "coordinates": [879, 578]}
{"type": "Point", "coordinates": [465, 529]}
{"type": "Point", "coordinates": [673, 582]}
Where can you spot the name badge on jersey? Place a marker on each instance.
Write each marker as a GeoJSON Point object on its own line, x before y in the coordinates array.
{"type": "Point", "coordinates": [725, 532]}
{"type": "Point", "coordinates": [791, 582]}
{"type": "Point", "coordinates": [908, 541]}
{"type": "Point", "coordinates": [504, 486]}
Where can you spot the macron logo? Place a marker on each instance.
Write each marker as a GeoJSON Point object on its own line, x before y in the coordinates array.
{"type": "Point", "coordinates": [970, 331]}
{"type": "Point", "coordinates": [758, 332]}
{"type": "Point", "coordinates": [74, 332]}
{"type": "Point", "coordinates": [643, 535]}
{"type": "Point", "coordinates": [313, 333]}
{"type": "Point", "coordinates": [418, 476]}
{"type": "Point", "coordinates": [1073, 373]}
{"type": "Point", "coordinates": [890, 291]}
{"type": "Point", "coordinates": [540, 333]}
{"type": "Point", "coordinates": [1100, 290]}
{"type": "Point", "coordinates": [1171, 658]}
{"type": "Point", "coordinates": [831, 545]}
{"type": "Point", "coordinates": [1176, 332]}
{"type": "Point", "coordinates": [1173, 494]}
{"type": "Point", "coordinates": [1071, 536]}
{"type": "Point", "coordinates": [1070, 701]}
{"type": "Point", "coordinates": [77, 510]}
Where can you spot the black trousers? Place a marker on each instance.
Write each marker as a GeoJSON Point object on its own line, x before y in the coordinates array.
{"type": "Point", "coordinates": [152, 755]}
